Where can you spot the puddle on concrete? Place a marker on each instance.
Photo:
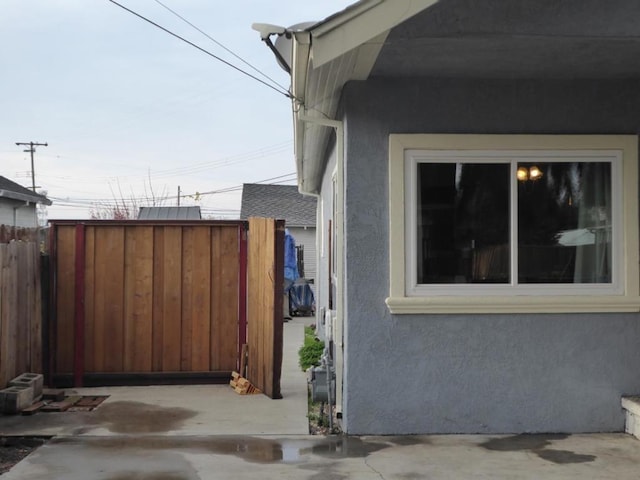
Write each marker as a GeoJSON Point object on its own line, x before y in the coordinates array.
{"type": "Point", "coordinates": [408, 440]}
{"type": "Point", "coordinates": [564, 456]}
{"type": "Point", "coordinates": [521, 442]}
{"type": "Point", "coordinates": [345, 447]}
{"type": "Point", "coordinates": [148, 476]}
{"type": "Point", "coordinates": [537, 444]}
{"type": "Point", "coordinates": [249, 449]}
{"type": "Point", "coordinates": [137, 417]}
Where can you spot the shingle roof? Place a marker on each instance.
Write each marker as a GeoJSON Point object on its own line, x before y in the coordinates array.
{"type": "Point", "coordinates": [10, 189]}
{"type": "Point", "coordinates": [278, 201]}
{"type": "Point", "coordinates": [169, 213]}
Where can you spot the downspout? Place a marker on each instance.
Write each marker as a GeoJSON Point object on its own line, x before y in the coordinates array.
{"type": "Point", "coordinates": [338, 335]}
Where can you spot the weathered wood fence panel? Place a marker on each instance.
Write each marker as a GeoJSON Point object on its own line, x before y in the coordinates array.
{"type": "Point", "coordinates": [8, 233]}
{"type": "Point", "coordinates": [157, 298]}
{"type": "Point", "coordinates": [20, 310]}
{"type": "Point", "coordinates": [265, 274]}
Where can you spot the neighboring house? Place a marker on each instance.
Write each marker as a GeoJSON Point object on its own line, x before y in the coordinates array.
{"type": "Point", "coordinates": [18, 204]}
{"type": "Point", "coordinates": [476, 165]}
{"type": "Point", "coordinates": [284, 202]}
{"type": "Point", "coordinates": [169, 213]}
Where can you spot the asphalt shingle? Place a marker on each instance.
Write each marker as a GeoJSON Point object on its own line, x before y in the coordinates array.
{"type": "Point", "coordinates": [282, 202]}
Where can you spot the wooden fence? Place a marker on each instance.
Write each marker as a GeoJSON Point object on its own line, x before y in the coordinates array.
{"type": "Point", "coordinates": [145, 299]}
{"type": "Point", "coordinates": [20, 307]}
{"type": "Point", "coordinates": [8, 233]}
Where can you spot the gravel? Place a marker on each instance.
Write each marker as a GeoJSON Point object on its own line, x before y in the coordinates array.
{"type": "Point", "coordinates": [14, 449]}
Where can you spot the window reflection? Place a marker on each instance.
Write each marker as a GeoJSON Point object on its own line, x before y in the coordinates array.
{"type": "Point", "coordinates": [563, 222]}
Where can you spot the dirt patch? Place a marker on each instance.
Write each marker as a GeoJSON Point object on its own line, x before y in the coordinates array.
{"type": "Point", "coordinates": [319, 420]}
{"type": "Point", "coordinates": [14, 449]}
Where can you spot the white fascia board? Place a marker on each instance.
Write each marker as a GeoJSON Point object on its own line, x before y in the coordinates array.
{"type": "Point", "coordinates": [357, 26]}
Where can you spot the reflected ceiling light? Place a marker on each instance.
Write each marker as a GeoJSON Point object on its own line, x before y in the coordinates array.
{"type": "Point", "coordinates": [535, 173]}
{"type": "Point", "coordinates": [522, 174]}
{"type": "Point", "coordinates": [532, 173]}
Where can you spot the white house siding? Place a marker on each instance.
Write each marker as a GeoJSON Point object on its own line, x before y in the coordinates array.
{"type": "Point", "coordinates": [307, 238]}
{"type": "Point", "coordinates": [473, 373]}
{"type": "Point", "coordinates": [25, 216]}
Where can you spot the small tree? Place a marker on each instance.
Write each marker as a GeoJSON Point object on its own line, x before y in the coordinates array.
{"type": "Point", "coordinates": [127, 208]}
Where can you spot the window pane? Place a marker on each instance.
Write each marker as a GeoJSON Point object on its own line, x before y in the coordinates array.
{"type": "Point", "coordinates": [564, 222]}
{"type": "Point", "coordinates": [463, 223]}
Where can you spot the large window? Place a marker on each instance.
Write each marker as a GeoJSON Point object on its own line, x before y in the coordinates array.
{"type": "Point", "coordinates": [513, 223]}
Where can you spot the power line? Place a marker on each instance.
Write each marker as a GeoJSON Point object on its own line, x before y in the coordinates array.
{"type": "Point", "coordinates": [90, 202]}
{"type": "Point", "coordinates": [219, 44]}
{"type": "Point", "coordinates": [285, 93]}
{"type": "Point", "coordinates": [188, 169]}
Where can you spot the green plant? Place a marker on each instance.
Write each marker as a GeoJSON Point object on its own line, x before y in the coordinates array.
{"type": "Point", "coordinates": [311, 350]}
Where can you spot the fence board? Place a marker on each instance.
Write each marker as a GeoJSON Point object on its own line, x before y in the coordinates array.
{"type": "Point", "coordinates": [138, 301]}
{"type": "Point", "coordinates": [158, 299]}
{"type": "Point", "coordinates": [91, 336]}
{"type": "Point", "coordinates": [188, 285]}
{"type": "Point", "coordinates": [264, 311]}
{"type": "Point", "coordinates": [7, 322]}
{"type": "Point", "coordinates": [200, 294]}
{"type": "Point", "coordinates": [10, 303]}
{"type": "Point", "coordinates": [22, 288]}
{"type": "Point", "coordinates": [224, 298]}
{"type": "Point", "coordinates": [172, 299]}
{"type": "Point", "coordinates": [65, 300]}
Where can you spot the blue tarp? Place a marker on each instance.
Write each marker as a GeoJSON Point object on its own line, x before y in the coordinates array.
{"type": "Point", "coordinates": [290, 261]}
{"type": "Point", "coordinates": [301, 301]}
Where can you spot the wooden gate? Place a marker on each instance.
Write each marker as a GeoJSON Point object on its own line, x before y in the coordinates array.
{"type": "Point", "coordinates": [265, 302]}
{"type": "Point", "coordinates": [146, 302]}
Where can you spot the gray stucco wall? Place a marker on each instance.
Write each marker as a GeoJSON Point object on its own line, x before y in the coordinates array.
{"type": "Point", "coordinates": [473, 373]}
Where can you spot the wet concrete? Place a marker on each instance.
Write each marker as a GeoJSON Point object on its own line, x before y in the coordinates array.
{"type": "Point", "coordinates": [249, 449]}
{"type": "Point", "coordinates": [183, 409]}
{"type": "Point", "coordinates": [161, 457]}
{"type": "Point", "coordinates": [138, 417]}
{"type": "Point", "coordinates": [209, 433]}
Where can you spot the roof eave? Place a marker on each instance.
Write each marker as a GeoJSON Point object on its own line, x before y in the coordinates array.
{"type": "Point", "coordinates": [360, 30]}
{"type": "Point", "coordinates": [358, 24]}
{"type": "Point", "coordinates": [24, 198]}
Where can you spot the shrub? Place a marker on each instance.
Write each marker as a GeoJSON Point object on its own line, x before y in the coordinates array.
{"type": "Point", "coordinates": [311, 350]}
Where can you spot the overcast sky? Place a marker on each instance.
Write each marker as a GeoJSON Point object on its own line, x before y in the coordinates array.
{"type": "Point", "coordinates": [126, 108]}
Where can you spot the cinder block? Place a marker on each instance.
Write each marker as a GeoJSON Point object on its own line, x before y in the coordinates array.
{"type": "Point", "coordinates": [54, 394]}
{"type": "Point", "coordinates": [33, 380]}
{"type": "Point", "coordinates": [15, 399]}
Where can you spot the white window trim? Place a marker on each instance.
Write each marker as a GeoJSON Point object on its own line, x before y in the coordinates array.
{"type": "Point", "coordinates": [623, 297]}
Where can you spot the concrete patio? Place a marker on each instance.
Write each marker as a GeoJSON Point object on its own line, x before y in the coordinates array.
{"type": "Point", "coordinates": [210, 432]}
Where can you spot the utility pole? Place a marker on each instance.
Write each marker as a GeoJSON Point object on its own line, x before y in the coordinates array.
{"type": "Point", "coordinates": [32, 150]}
{"type": "Point", "coordinates": [179, 195]}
